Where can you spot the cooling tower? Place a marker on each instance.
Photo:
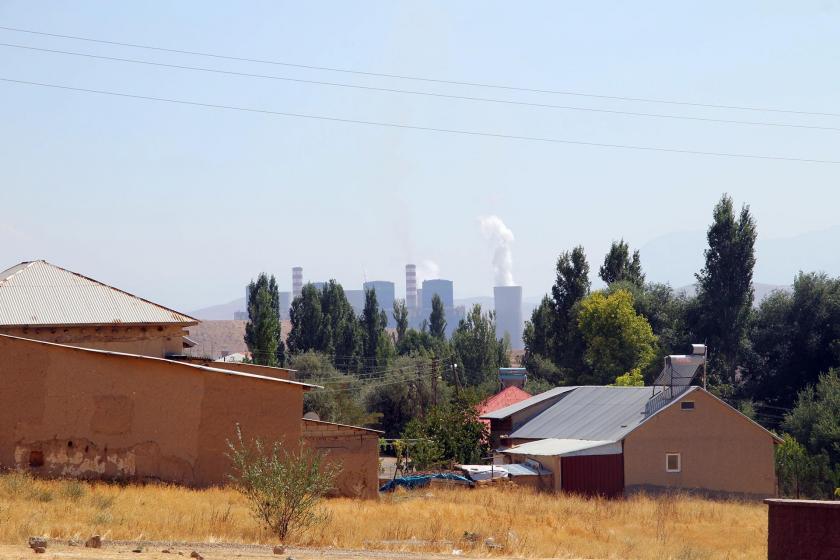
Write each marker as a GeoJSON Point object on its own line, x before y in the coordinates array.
{"type": "Point", "coordinates": [508, 302]}
{"type": "Point", "coordinates": [411, 287]}
{"type": "Point", "coordinates": [297, 281]}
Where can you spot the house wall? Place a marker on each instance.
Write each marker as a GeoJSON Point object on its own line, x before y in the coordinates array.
{"type": "Point", "coordinates": [721, 451]}
{"type": "Point", "coordinates": [156, 341]}
{"type": "Point", "coordinates": [356, 450]}
{"type": "Point", "coordinates": [96, 415]}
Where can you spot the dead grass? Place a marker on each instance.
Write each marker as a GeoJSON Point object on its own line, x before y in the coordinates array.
{"type": "Point", "coordinates": [522, 522]}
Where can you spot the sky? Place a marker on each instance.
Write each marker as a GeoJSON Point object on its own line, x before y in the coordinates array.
{"type": "Point", "coordinates": [184, 204]}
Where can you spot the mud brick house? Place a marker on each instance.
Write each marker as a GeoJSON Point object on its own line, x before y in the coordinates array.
{"type": "Point", "coordinates": [94, 384]}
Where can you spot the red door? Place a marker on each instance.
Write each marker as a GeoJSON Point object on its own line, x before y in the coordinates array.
{"type": "Point", "coordinates": [593, 475]}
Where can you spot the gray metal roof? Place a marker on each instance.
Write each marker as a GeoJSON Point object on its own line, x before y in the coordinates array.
{"type": "Point", "coordinates": [593, 413]}
{"type": "Point", "coordinates": [522, 405]}
{"type": "Point", "coordinates": [38, 293]}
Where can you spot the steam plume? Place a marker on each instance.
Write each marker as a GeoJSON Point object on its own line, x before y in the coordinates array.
{"type": "Point", "coordinates": [495, 230]}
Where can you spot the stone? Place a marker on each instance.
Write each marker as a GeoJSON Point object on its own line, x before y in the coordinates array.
{"type": "Point", "coordinates": [279, 549]}
{"type": "Point", "coordinates": [138, 549]}
{"type": "Point", "coordinates": [196, 555]}
{"type": "Point", "coordinates": [165, 551]}
{"type": "Point", "coordinates": [94, 542]}
{"type": "Point", "coordinates": [37, 542]}
{"type": "Point", "coordinates": [39, 549]}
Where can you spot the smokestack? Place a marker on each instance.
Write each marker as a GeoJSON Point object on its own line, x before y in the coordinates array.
{"type": "Point", "coordinates": [297, 281]}
{"type": "Point", "coordinates": [411, 287]}
{"type": "Point", "coordinates": [508, 303]}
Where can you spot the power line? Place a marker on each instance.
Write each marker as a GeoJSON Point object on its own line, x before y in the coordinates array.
{"type": "Point", "coordinates": [425, 79]}
{"type": "Point", "coordinates": [424, 128]}
{"type": "Point", "coordinates": [420, 93]}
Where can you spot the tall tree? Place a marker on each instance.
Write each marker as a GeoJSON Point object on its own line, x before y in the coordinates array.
{"type": "Point", "coordinates": [262, 332]}
{"type": "Point", "coordinates": [617, 339]}
{"type": "Point", "coordinates": [725, 288]}
{"type": "Point", "coordinates": [570, 287]}
{"type": "Point", "coordinates": [620, 266]}
{"type": "Point", "coordinates": [437, 319]}
{"type": "Point", "coordinates": [475, 345]}
{"type": "Point", "coordinates": [307, 321]}
{"type": "Point", "coordinates": [373, 322]}
{"type": "Point", "coordinates": [400, 315]}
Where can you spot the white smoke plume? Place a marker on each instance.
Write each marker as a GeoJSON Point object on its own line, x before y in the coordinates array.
{"type": "Point", "coordinates": [427, 270]}
{"type": "Point", "coordinates": [495, 230]}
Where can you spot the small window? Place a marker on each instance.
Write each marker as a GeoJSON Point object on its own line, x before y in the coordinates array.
{"type": "Point", "coordinates": [673, 462]}
{"type": "Point", "coordinates": [687, 405]}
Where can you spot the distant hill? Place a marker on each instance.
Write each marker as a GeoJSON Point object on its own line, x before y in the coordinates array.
{"type": "Point", "coordinates": [221, 312]}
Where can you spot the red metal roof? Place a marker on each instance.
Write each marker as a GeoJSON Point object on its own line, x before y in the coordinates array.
{"type": "Point", "coordinates": [508, 396]}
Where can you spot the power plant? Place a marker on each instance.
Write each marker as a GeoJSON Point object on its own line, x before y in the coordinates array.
{"type": "Point", "coordinates": [508, 303]}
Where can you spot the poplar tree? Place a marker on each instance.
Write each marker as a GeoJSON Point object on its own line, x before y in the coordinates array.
{"type": "Point", "coordinates": [262, 332]}
{"type": "Point", "coordinates": [620, 266]}
{"type": "Point", "coordinates": [725, 288]}
{"type": "Point", "coordinates": [437, 319]}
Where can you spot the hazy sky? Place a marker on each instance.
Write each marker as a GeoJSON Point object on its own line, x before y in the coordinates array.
{"type": "Point", "coordinates": [184, 205]}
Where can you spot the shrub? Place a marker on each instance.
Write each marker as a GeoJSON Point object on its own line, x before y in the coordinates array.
{"type": "Point", "coordinates": [283, 488]}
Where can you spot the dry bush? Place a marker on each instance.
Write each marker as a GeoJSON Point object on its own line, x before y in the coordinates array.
{"type": "Point", "coordinates": [521, 521]}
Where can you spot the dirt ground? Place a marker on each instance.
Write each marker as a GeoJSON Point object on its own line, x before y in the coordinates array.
{"type": "Point", "coordinates": [122, 550]}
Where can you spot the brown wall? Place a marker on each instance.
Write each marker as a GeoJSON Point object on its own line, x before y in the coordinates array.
{"type": "Point", "coordinates": [156, 341]}
{"type": "Point", "coordinates": [722, 451]}
{"type": "Point", "coordinates": [803, 529]}
{"type": "Point", "coordinates": [355, 449]}
{"type": "Point", "coordinates": [92, 414]}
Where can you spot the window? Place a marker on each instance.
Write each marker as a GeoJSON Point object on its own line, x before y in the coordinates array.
{"type": "Point", "coordinates": [687, 405]}
{"type": "Point", "coordinates": [673, 462]}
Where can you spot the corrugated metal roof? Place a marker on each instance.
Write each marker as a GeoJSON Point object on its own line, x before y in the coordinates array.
{"type": "Point", "coordinates": [522, 405]}
{"type": "Point", "coordinates": [593, 413]}
{"type": "Point", "coordinates": [551, 447]}
{"type": "Point", "coordinates": [38, 293]}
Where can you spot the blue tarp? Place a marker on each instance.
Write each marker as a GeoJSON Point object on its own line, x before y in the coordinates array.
{"type": "Point", "coordinates": [421, 480]}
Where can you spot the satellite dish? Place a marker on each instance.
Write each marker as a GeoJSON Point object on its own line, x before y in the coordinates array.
{"type": "Point", "coordinates": [311, 416]}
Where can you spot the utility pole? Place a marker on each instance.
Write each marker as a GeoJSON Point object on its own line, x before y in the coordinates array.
{"type": "Point", "coordinates": [457, 380]}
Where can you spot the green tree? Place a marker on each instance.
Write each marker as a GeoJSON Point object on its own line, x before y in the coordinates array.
{"type": "Point", "coordinates": [725, 289]}
{"type": "Point", "coordinates": [476, 347]}
{"type": "Point", "coordinates": [406, 391]}
{"type": "Point", "coordinates": [815, 420]}
{"type": "Point", "coordinates": [620, 266]}
{"type": "Point", "coordinates": [307, 321]}
{"type": "Point", "coordinates": [570, 287]}
{"type": "Point", "coordinates": [617, 340]}
{"type": "Point", "coordinates": [262, 332]}
{"type": "Point", "coordinates": [373, 322]}
{"type": "Point", "coordinates": [284, 487]}
{"type": "Point", "coordinates": [437, 319]}
{"type": "Point", "coordinates": [458, 435]}
{"type": "Point", "coordinates": [400, 315]}
{"type": "Point", "coordinates": [323, 321]}
{"type": "Point", "coordinates": [794, 338]}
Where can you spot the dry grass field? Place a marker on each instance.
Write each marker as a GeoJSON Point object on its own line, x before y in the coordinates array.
{"type": "Point", "coordinates": [522, 523]}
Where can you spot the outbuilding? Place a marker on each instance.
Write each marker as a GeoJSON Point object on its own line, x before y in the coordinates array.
{"type": "Point", "coordinates": [610, 441]}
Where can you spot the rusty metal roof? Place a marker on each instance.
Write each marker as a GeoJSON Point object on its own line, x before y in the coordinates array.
{"type": "Point", "coordinates": [38, 293]}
